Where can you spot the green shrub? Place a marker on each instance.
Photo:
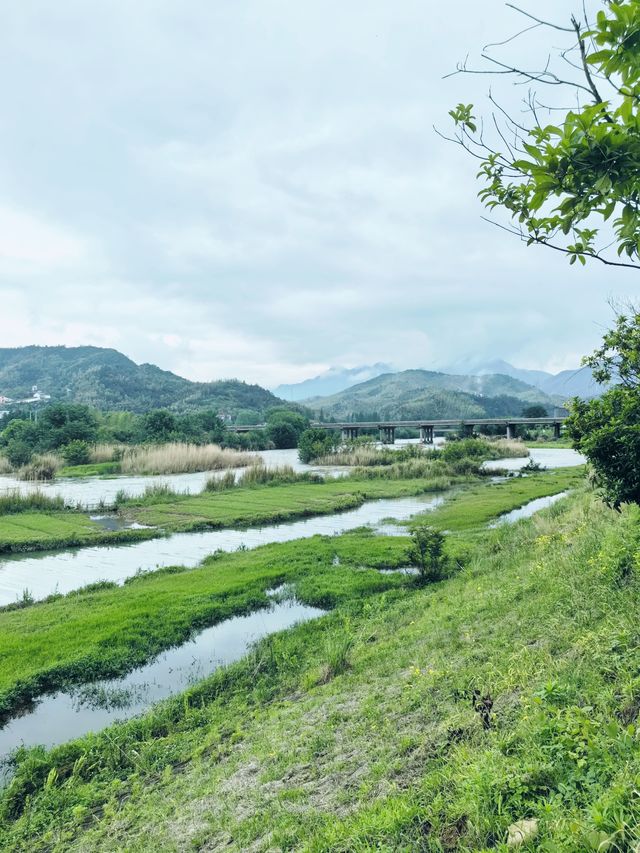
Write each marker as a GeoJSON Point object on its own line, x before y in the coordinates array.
{"type": "Point", "coordinates": [426, 552]}
{"type": "Point", "coordinates": [18, 453]}
{"type": "Point", "coordinates": [316, 442]}
{"type": "Point", "coordinates": [77, 452]}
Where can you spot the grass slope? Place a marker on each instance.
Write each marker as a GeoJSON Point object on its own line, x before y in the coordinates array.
{"type": "Point", "coordinates": [360, 731]}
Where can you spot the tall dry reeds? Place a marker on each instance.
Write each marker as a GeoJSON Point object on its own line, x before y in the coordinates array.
{"type": "Point", "coordinates": [43, 466]}
{"type": "Point", "coordinates": [359, 456]}
{"type": "Point", "coordinates": [180, 458]}
{"type": "Point", "coordinates": [5, 465]}
{"type": "Point", "coordinates": [509, 448]}
{"type": "Point", "coordinates": [106, 453]}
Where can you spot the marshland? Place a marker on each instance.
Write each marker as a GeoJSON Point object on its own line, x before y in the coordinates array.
{"type": "Point", "coordinates": [163, 621]}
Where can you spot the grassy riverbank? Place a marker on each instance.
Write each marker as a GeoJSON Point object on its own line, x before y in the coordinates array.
{"type": "Point", "coordinates": [550, 444]}
{"type": "Point", "coordinates": [360, 731]}
{"type": "Point", "coordinates": [238, 507]}
{"type": "Point", "coordinates": [167, 512]}
{"type": "Point", "coordinates": [109, 630]}
{"type": "Point", "coordinates": [477, 504]}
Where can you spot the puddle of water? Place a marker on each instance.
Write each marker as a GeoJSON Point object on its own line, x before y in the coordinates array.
{"type": "Point", "coordinates": [115, 522]}
{"type": "Point", "coordinates": [66, 715]}
{"type": "Point", "coordinates": [45, 573]}
{"type": "Point", "coordinates": [528, 509]}
{"type": "Point", "coordinates": [404, 570]}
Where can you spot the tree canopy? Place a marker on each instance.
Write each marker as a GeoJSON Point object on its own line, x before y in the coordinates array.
{"type": "Point", "coordinates": [607, 429]}
{"type": "Point", "coordinates": [570, 183]}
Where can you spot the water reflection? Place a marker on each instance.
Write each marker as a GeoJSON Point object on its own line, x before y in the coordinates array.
{"type": "Point", "coordinates": [70, 714]}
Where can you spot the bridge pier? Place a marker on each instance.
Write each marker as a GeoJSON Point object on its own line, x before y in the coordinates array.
{"type": "Point", "coordinates": [387, 434]}
{"type": "Point", "coordinates": [511, 430]}
{"type": "Point", "coordinates": [426, 434]}
{"type": "Point", "coordinates": [557, 427]}
{"type": "Point", "coordinates": [467, 430]}
{"type": "Point", "coordinates": [349, 433]}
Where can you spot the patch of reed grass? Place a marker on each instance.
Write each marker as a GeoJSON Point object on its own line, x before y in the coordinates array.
{"type": "Point", "coordinates": [426, 466]}
{"type": "Point", "coordinates": [106, 453]}
{"type": "Point", "coordinates": [366, 454]}
{"type": "Point", "coordinates": [260, 475]}
{"type": "Point", "coordinates": [5, 465]}
{"type": "Point", "coordinates": [509, 448]}
{"type": "Point", "coordinates": [43, 466]}
{"type": "Point", "coordinates": [14, 502]}
{"type": "Point", "coordinates": [179, 458]}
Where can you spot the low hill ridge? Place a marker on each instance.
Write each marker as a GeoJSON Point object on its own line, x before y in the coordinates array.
{"type": "Point", "coordinates": [414, 394]}
{"type": "Point", "coordinates": [108, 380]}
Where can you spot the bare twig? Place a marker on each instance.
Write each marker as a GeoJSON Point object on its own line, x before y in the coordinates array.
{"type": "Point", "coordinates": [511, 38]}
{"type": "Point", "coordinates": [585, 64]}
{"type": "Point", "coordinates": [538, 20]}
{"type": "Point", "coordinates": [541, 241]}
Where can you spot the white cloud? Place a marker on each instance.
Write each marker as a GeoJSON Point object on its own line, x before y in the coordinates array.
{"type": "Point", "coordinates": [254, 189]}
{"type": "Point", "coordinates": [30, 245]}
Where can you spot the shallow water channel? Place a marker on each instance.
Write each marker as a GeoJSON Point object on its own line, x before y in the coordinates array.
{"type": "Point", "coordinates": [63, 716]}
{"type": "Point", "coordinates": [45, 573]}
{"type": "Point", "coordinates": [528, 509]}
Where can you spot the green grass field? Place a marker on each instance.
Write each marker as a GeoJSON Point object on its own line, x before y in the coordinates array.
{"type": "Point", "coordinates": [47, 529]}
{"type": "Point", "coordinates": [477, 504]}
{"type": "Point", "coordinates": [260, 504]}
{"type": "Point", "coordinates": [92, 469]}
{"type": "Point", "coordinates": [392, 749]}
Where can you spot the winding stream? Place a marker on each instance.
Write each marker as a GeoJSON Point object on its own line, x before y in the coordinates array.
{"type": "Point", "coordinates": [67, 715]}
{"type": "Point", "coordinates": [46, 573]}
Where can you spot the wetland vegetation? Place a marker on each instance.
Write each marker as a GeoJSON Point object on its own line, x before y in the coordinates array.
{"type": "Point", "coordinates": [536, 620]}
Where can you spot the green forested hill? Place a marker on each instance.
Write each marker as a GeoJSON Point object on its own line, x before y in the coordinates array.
{"type": "Point", "coordinates": [423, 393]}
{"type": "Point", "coordinates": [107, 379]}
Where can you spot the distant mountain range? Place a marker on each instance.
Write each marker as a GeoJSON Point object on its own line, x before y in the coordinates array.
{"type": "Point", "coordinates": [566, 384]}
{"type": "Point", "coordinates": [414, 394]}
{"type": "Point", "coordinates": [331, 381]}
{"type": "Point", "coordinates": [560, 386]}
{"type": "Point", "coordinates": [106, 379]}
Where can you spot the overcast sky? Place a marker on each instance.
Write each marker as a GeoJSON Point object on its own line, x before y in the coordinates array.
{"type": "Point", "coordinates": [253, 189]}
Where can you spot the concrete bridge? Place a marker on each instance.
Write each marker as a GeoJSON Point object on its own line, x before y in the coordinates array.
{"type": "Point", "coordinates": [427, 428]}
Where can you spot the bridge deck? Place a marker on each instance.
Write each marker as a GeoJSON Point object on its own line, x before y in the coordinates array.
{"type": "Point", "coordinates": [436, 424]}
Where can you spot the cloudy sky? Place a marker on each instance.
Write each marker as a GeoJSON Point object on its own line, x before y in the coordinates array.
{"type": "Point", "coordinates": [253, 188]}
